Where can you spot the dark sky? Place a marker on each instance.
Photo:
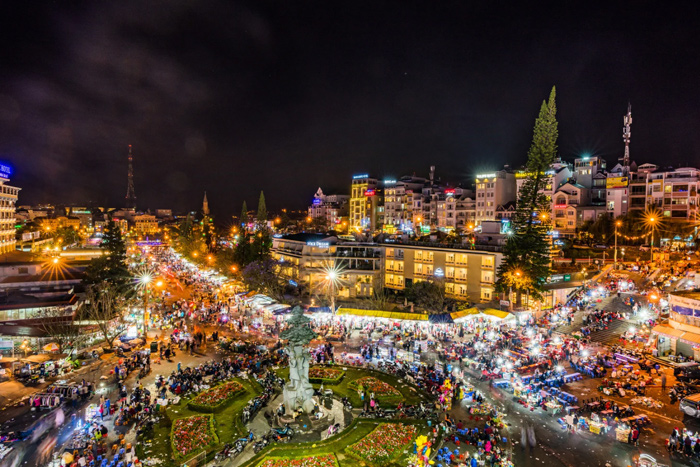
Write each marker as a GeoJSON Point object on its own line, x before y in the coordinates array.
{"type": "Point", "coordinates": [237, 97]}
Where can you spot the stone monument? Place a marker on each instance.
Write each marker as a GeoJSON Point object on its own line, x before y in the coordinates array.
{"type": "Point", "coordinates": [298, 392]}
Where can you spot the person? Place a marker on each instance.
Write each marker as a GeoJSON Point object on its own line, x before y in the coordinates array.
{"type": "Point", "coordinates": [663, 381]}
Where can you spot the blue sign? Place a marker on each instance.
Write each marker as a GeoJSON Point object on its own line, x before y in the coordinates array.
{"type": "Point", "coordinates": [316, 201]}
{"type": "Point", "coordinates": [439, 272]}
{"type": "Point", "coordinates": [293, 283]}
{"type": "Point", "coordinates": [5, 171]}
{"type": "Point", "coordinates": [359, 177]}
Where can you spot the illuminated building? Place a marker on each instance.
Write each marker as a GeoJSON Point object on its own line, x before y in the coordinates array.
{"type": "Point", "coordinates": [493, 190]}
{"type": "Point", "coordinates": [364, 203]}
{"type": "Point", "coordinates": [8, 201]}
{"type": "Point", "coordinates": [328, 207]}
{"type": "Point", "coordinates": [145, 224]}
{"type": "Point", "coordinates": [674, 192]}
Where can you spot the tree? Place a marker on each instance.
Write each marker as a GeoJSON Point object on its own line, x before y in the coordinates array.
{"type": "Point", "coordinates": [430, 295]}
{"type": "Point", "coordinates": [111, 267]}
{"type": "Point", "coordinates": [244, 215]}
{"type": "Point", "coordinates": [526, 255]}
{"type": "Point", "coordinates": [262, 275]}
{"type": "Point", "coordinates": [262, 211]}
{"type": "Point", "coordinates": [57, 324]}
{"type": "Point", "coordinates": [104, 306]}
{"type": "Point", "coordinates": [380, 299]}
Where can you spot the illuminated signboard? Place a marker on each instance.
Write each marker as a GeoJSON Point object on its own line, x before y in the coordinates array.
{"type": "Point", "coordinates": [5, 171]}
{"type": "Point", "coordinates": [450, 192]}
{"type": "Point", "coordinates": [616, 182]}
{"type": "Point", "coordinates": [389, 182]}
{"type": "Point", "coordinates": [361, 176]}
{"type": "Point", "coordinates": [318, 244]}
{"type": "Point", "coordinates": [370, 193]}
{"type": "Point", "coordinates": [439, 272]}
{"type": "Point", "coordinates": [491, 175]}
{"type": "Point", "coordinates": [316, 201]}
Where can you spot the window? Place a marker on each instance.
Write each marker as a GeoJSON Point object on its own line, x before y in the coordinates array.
{"type": "Point", "coordinates": [487, 261]}
{"type": "Point", "coordinates": [486, 276]}
{"type": "Point", "coordinates": [486, 295]}
{"type": "Point", "coordinates": [22, 270]}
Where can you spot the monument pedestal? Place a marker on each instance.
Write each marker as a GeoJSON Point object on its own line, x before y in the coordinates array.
{"type": "Point", "coordinates": [295, 399]}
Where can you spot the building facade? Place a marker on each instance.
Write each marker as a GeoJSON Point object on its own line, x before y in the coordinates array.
{"type": "Point", "coordinates": [328, 207]}
{"type": "Point", "coordinates": [146, 224]}
{"type": "Point", "coordinates": [8, 203]}
{"type": "Point", "coordinates": [468, 274]}
{"type": "Point", "coordinates": [681, 335]}
{"type": "Point", "coordinates": [493, 190]}
{"type": "Point", "coordinates": [364, 203]}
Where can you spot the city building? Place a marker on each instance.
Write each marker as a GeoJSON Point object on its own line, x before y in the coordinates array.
{"type": "Point", "coordinates": [145, 224]}
{"type": "Point", "coordinates": [673, 192]}
{"type": "Point", "coordinates": [465, 212]}
{"type": "Point", "coordinates": [403, 203]}
{"type": "Point", "coordinates": [8, 202]}
{"type": "Point", "coordinates": [365, 202]}
{"type": "Point", "coordinates": [331, 208]}
{"type": "Point", "coordinates": [586, 167]}
{"type": "Point", "coordinates": [51, 224]}
{"type": "Point", "coordinates": [306, 260]}
{"type": "Point", "coordinates": [565, 202]}
{"type": "Point", "coordinates": [468, 274]}
{"type": "Point", "coordinates": [493, 190]}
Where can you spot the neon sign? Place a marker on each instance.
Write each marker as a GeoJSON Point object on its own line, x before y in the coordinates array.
{"type": "Point", "coordinates": [370, 193]}
{"type": "Point", "coordinates": [359, 177]}
{"type": "Point", "coordinates": [5, 171]}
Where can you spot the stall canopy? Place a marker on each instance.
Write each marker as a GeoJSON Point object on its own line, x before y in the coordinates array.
{"type": "Point", "coordinates": [498, 313]}
{"type": "Point", "coordinates": [383, 314]}
{"type": "Point", "coordinates": [469, 312]}
{"type": "Point", "coordinates": [690, 338]}
{"type": "Point", "coordinates": [319, 309]}
{"type": "Point", "coordinates": [442, 318]}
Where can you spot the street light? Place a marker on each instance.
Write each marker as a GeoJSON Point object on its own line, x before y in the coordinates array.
{"type": "Point", "coordinates": [145, 279]}
{"type": "Point", "coordinates": [617, 224]}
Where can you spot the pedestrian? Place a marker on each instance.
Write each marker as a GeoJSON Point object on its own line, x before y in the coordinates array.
{"type": "Point", "coordinates": [663, 382]}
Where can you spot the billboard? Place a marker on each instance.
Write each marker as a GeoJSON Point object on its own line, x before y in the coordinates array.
{"type": "Point", "coordinates": [616, 182]}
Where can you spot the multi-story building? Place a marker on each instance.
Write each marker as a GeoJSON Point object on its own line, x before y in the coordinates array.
{"type": "Point", "coordinates": [617, 191]}
{"type": "Point", "coordinates": [307, 259]}
{"type": "Point", "coordinates": [673, 192]}
{"type": "Point", "coordinates": [465, 212]}
{"type": "Point", "coordinates": [567, 199]}
{"type": "Point", "coordinates": [402, 198]}
{"type": "Point", "coordinates": [328, 207]}
{"type": "Point", "coordinates": [586, 167]}
{"type": "Point", "coordinates": [468, 274]}
{"type": "Point", "coordinates": [364, 203]}
{"type": "Point", "coordinates": [145, 224]}
{"type": "Point", "coordinates": [493, 190]}
{"type": "Point", "coordinates": [51, 224]}
{"type": "Point", "coordinates": [8, 201]}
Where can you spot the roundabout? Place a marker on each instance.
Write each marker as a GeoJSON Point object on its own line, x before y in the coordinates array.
{"type": "Point", "coordinates": [289, 415]}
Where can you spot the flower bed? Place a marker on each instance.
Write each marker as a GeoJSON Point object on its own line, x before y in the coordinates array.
{"type": "Point", "coordinates": [382, 391]}
{"type": "Point", "coordinates": [192, 434]}
{"type": "Point", "coordinates": [216, 398]}
{"type": "Point", "coordinates": [384, 445]}
{"type": "Point", "coordinates": [327, 460]}
{"type": "Point", "coordinates": [325, 375]}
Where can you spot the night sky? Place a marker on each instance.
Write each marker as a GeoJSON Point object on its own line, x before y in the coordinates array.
{"type": "Point", "coordinates": [237, 97]}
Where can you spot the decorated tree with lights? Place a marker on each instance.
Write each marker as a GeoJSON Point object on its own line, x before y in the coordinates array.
{"type": "Point", "coordinates": [526, 255]}
{"type": "Point", "coordinates": [110, 267]}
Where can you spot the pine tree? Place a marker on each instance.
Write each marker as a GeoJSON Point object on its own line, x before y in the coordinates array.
{"type": "Point", "coordinates": [110, 267]}
{"type": "Point", "coordinates": [244, 214]}
{"type": "Point", "coordinates": [526, 256]}
{"type": "Point", "coordinates": [262, 211]}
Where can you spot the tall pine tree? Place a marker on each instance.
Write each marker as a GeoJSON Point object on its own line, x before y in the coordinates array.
{"type": "Point", "coordinates": [110, 267]}
{"type": "Point", "coordinates": [262, 211]}
{"type": "Point", "coordinates": [526, 256]}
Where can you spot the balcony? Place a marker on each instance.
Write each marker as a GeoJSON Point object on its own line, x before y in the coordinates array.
{"type": "Point", "coordinates": [461, 279]}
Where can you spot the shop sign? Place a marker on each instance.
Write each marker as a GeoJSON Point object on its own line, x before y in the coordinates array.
{"type": "Point", "coordinates": [6, 345]}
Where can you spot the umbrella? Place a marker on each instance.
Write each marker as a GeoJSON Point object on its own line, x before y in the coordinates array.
{"type": "Point", "coordinates": [52, 347]}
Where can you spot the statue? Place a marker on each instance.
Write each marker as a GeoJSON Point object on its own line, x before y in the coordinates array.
{"type": "Point", "coordinates": [298, 392]}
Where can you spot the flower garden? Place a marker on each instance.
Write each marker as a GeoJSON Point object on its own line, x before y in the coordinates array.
{"type": "Point", "coordinates": [326, 460]}
{"type": "Point", "coordinates": [325, 375]}
{"type": "Point", "coordinates": [216, 398]}
{"type": "Point", "coordinates": [382, 391]}
{"type": "Point", "coordinates": [383, 445]}
{"type": "Point", "coordinates": [192, 434]}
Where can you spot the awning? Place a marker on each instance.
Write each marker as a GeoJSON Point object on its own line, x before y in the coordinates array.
{"type": "Point", "coordinates": [464, 313]}
{"type": "Point", "coordinates": [383, 314]}
{"type": "Point", "coordinates": [667, 331]}
{"type": "Point", "coordinates": [691, 338]}
{"type": "Point", "coordinates": [497, 313]}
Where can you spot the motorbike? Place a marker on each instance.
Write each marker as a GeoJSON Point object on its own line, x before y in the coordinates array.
{"type": "Point", "coordinates": [347, 404]}
{"type": "Point", "coordinates": [282, 434]}
{"type": "Point", "coordinates": [333, 429]}
{"type": "Point", "coordinates": [261, 444]}
{"type": "Point", "coordinates": [224, 453]}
